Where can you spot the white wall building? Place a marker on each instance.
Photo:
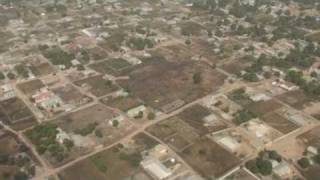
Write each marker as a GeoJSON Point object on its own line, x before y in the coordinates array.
{"type": "Point", "coordinates": [155, 168]}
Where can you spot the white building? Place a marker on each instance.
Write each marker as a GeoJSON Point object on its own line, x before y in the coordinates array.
{"type": "Point", "coordinates": [312, 150]}
{"type": "Point", "coordinates": [135, 111]}
{"type": "Point", "coordinates": [155, 168]}
{"type": "Point", "coordinates": [260, 97]}
{"type": "Point", "coordinates": [248, 2]}
{"type": "Point", "coordinates": [229, 142]}
{"type": "Point", "coordinates": [61, 136]}
{"type": "Point", "coordinates": [283, 171]}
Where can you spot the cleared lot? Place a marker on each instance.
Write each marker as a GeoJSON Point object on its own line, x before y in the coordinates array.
{"type": "Point", "coordinates": [97, 85]}
{"type": "Point", "coordinates": [15, 113]}
{"type": "Point", "coordinates": [209, 159]}
{"type": "Point", "coordinates": [102, 166]}
{"type": "Point", "coordinates": [279, 122]}
{"type": "Point", "coordinates": [161, 83]}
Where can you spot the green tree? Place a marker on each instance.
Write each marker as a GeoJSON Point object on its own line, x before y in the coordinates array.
{"type": "Point", "coordinates": [304, 162]}
{"type": "Point", "coordinates": [68, 143]}
{"type": "Point", "coordinates": [197, 78]}
{"type": "Point", "coordinates": [264, 166]}
{"type": "Point", "coordinates": [80, 67]}
{"type": "Point", "coordinates": [6, 175]}
{"type": "Point", "coordinates": [21, 176]}
{"type": "Point", "coordinates": [4, 159]}
{"type": "Point", "coordinates": [275, 156]}
{"type": "Point", "coordinates": [139, 116]}
{"type": "Point", "coordinates": [188, 42]}
{"type": "Point", "coordinates": [251, 165]}
{"type": "Point", "coordinates": [22, 70]}
{"type": "Point", "coordinates": [151, 116]}
{"type": "Point", "coordinates": [210, 34]}
{"type": "Point", "coordinates": [2, 76]}
{"type": "Point", "coordinates": [98, 133]}
{"type": "Point", "coordinates": [243, 116]}
{"type": "Point", "coordinates": [115, 123]}
{"type": "Point", "coordinates": [295, 77]}
{"type": "Point", "coordinates": [317, 159]}
{"type": "Point", "coordinates": [250, 76]}
{"type": "Point", "coordinates": [314, 74]}
{"type": "Point", "coordinates": [134, 158]}
{"type": "Point", "coordinates": [11, 76]}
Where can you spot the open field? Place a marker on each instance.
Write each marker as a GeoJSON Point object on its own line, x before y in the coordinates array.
{"type": "Point", "coordinates": [16, 114]}
{"type": "Point", "coordinates": [209, 159]}
{"type": "Point", "coordinates": [194, 117]}
{"type": "Point", "coordinates": [312, 173]}
{"type": "Point", "coordinates": [311, 138]}
{"type": "Point", "coordinates": [15, 109]}
{"type": "Point", "coordinates": [118, 63]}
{"type": "Point", "coordinates": [97, 53]}
{"type": "Point", "coordinates": [144, 142]}
{"type": "Point", "coordinates": [175, 132]}
{"type": "Point", "coordinates": [204, 49]}
{"type": "Point", "coordinates": [71, 95]}
{"type": "Point", "coordinates": [177, 142]}
{"type": "Point", "coordinates": [191, 28]}
{"type": "Point", "coordinates": [30, 87]}
{"type": "Point", "coordinates": [194, 113]}
{"type": "Point", "coordinates": [279, 123]}
{"type": "Point", "coordinates": [95, 118]}
{"type": "Point", "coordinates": [97, 85]}
{"type": "Point", "coordinates": [264, 107]}
{"type": "Point", "coordinates": [313, 109]}
{"type": "Point", "coordinates": [297, 99]}
{"type": "Point", "coordinates": [161, 83]}
{"type": "Point", "coordinates": [103, 68]}
{"type": "Point", "coordinates": [235, 66]}
{"type": "Point", "coordinates": [87, 128]}
{"type": "Point", "coordinates": [24, 123]}
{"type": "Point", "coordinates": [96, 113]}
{"type": "Point", "coordinates": [102, 166]}
{"type": "Point", "coordinates": [42, 69]}
{"type": "Point", "coordinates": [122, 103]}
{"type": "Point", "coordinates": [113, 42]}
{"type": "Point", "coordinates": [111, 66]}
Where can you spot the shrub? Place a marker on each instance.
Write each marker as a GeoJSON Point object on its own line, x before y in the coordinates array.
{"type": "Point", "coordinates": [264, 166]}
{"type": "Point", "coordinates": [197, 78]}
{"type": "Point", "coordinates": [304, 162]}
{"type": "Point", "coordinates": [151, 116]}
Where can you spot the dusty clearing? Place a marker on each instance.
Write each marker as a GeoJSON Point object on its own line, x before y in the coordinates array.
{"type": "Point", "coordinates": [30, 87]}
{"type": "Point", "coordinates": [15, 113]}
{"type": "Point", "coordinates": [209, 159]}
{"type": "Point", "coordinates": [161, 83]}
{"type": "Point", "coordinates": [280, 123]}
{"type": "Point", "coordinates": [122, 103]}
{"type": "Point", "coordinates": [97, 85]}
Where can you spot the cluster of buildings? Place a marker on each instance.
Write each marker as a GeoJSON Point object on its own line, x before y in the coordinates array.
{"type": "Point", "coordinates": [47, 100]}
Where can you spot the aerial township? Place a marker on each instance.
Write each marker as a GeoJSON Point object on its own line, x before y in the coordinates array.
{"type": "Point", "coordinates": [159, 89]}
